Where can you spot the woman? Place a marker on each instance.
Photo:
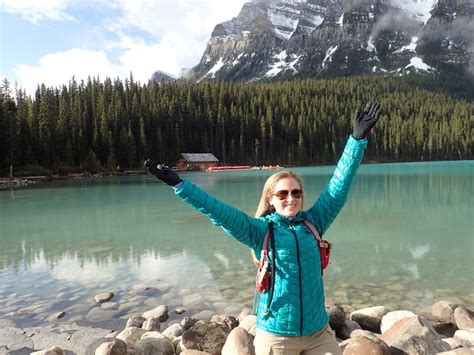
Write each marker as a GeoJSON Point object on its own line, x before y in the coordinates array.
{"type": "Point", "coordinates": [291, 316]}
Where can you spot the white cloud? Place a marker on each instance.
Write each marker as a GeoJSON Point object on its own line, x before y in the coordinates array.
{"type": "Point", "coordinates": [58, 68]}
{"type": "Point", "coordinates": [166, 35]}
{"type": "Point", "coordinates": [35, 11]}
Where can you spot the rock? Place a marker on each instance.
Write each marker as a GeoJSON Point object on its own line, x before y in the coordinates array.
{"type": "Point", "coordinates": [414, 335]}
{"type": "Point", "coordinates": [346, 330]}
{"type": "Point", "coordinates": [461, 351]}
{"type": "Point", "coordinates": [464, 318]}
{"type": "Point", "coordinates": [160, 312]}
{"type": "Point", "coordinates": [131, 336]}
{"type": "Point", "coordinates": [336, 315]}
{"type": "Point", "coordinates": [453, 343]}
{"type": "Point", "coordinates": [55, 350]}
{"type": "Point", "coordinates": [205, 336]}
{"type": "Point", "coordinates": [109, 306]}
{"type": "Point", "coordinates": [392, 317]}
{"type": "Point", "coordinates": [151, 346]}
{"type": "Point", "coordinates": [112, 347]}
{"type": "Point", "coordinates": [188, 322]}
{"type": "Point", "coordinates": [227, 321]}
{"type": "Point", "coordinates": [193, 301]}
{"type": "Point", "coordinates": [239, 341]}
{"type": "Point", "coordinates": [194, 352]}
{"type": "Point", "coordinates": [135, 321]}
{"type": "Point", "coordinates": [173, 331]}
{"type": "Point", "coordinates": [180, 310]}
{"type": "Point", "coordinates": [249, 324]}
{"type": "Point", "coordinates": [466, 337]}
{"type": "Point", "coordinates": [369, 318]}
{"type": "Point", "coordinates": [364, 346]}
{"type": "Point", "coordinates": [443, 311]}
{"type": "Point", "coordinates": [103, 297]}
{"type": "Point", "coordinates": [152, 324]}
{"type": "Point", "coordinates": [60, 315]}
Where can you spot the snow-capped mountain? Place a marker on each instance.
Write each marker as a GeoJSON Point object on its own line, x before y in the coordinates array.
{"type": "Point", "coordinates": [279, 39]}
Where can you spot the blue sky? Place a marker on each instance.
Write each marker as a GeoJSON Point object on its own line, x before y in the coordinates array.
{"type": "Point", "coordinates": [49, 41]}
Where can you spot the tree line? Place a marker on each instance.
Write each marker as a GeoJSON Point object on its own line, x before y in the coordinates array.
{"type": "Point", "coordinates": [98, 125]}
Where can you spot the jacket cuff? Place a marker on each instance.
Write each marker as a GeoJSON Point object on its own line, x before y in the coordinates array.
{"type": "Point", "coordinates": [355, 148]}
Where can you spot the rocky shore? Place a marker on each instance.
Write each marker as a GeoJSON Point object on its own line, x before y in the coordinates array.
{"type": "Point", "coordinates": [17, 182]}
{"type": "Point", "coordinates": [447, 329]}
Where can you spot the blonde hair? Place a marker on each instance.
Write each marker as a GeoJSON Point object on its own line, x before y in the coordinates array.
{"type": "Point", "coordinates": [264, 206]}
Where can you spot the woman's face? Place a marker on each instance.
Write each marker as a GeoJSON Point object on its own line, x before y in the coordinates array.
{"type": "Point", "coordinates": [287, 197]}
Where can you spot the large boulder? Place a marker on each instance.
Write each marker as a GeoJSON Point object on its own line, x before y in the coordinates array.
{"type": "Point", "coordinates": [414, 335]}
{"type": "Point", "coordinates": [337, 316]}
{"type": "Point", "coordinates": [135, 321]}
{"type": "Point", "coordinates": [346, 330]}
{"type": "Point", "coordinates": [152, 324]}
{"type": "Point", "coordinates": [369, 318]}
{"type": "Point", "coordinates": [206, 336]}
{"type": "Point", "coordinates": [249, 324]}
{"type": "Point", "coordinates": [443, 311]}
{"type": "Point", "coordinates": [131, 336]}
{"type": "Point", "coordinates": [227, 321]}
{"type": "Point", "coordinates": [466, 337]}
{"type": "Point", "coordinates": [239, 341]}
{"type": "Point", "coordinates": [152, 346]}
{"type": "Point", "coordinates": [160, 312]}
{"type": "Point", "coordinates": [392, 317]}
{"type": "Point", "coordinates": [363, 342]}
{"type": "Point", "coordinates": [173, 331]}
{"type": "Point", "coordinates": [464, 318]}
{"type": "Point", "coordinates": [112, 347]}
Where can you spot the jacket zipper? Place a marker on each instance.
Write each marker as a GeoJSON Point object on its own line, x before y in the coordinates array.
{"type": "Point", "coordinates": [299, 277]}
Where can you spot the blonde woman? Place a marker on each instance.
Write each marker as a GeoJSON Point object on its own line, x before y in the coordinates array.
{"type": "Point", "coordinates": [291, 314]}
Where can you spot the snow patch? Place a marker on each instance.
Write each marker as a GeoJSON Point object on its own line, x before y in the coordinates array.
{"type": "Point", "coordinates": [411, 47]}
{"type": "Point", "coordinates": [281, 64]}
{"type": "Point", "coordinates": [216, 67]}
{"type": "Point", "coordinates": [341, 20]}
{"type": "Point", "coordinates": [328, 56]}
{"type": "Point", "coordinates": [417, 63]}
{"type": "Point", "coordinates": [419, 8]}
{"type": "Point", "coordinates": [371, 45]}
{"type": "Point", "coordinates": [236, 60]}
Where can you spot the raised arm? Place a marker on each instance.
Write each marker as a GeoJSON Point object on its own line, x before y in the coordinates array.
{"type": "Point", "coordinates": [331, 201]}
{"type": "Point", "coordinates": [246, 229]}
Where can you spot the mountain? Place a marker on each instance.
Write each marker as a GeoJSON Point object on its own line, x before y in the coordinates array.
{"type": "Point", "coordinates": [159, 76]}
{"type": "Point", "coordinates": [282, 39]}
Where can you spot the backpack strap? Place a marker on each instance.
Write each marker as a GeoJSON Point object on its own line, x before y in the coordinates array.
{"type": "Point", "coordinates": [323, 245]}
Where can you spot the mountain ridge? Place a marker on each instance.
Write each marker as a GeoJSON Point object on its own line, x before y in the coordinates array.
{"type": "Point", "coordinates": [284, 39]}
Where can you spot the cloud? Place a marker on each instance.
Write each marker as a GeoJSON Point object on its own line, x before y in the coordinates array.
{"type": "Point", "coordinates": [35, 11]}
{"type": "Point", "coordinates": [142, 36]}
{"type": "Point", "coordinates": [58, 68]}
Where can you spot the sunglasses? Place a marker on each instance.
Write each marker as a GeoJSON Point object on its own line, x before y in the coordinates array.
{"type": "Point", "coordinates": [282, 194]}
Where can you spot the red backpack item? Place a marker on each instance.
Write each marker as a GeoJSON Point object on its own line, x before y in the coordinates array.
{"type": "Point", "coordinates": [264, 272]}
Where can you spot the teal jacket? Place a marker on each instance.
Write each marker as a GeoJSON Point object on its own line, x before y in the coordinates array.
{"type": "Point", "coordinates": [297, 306]}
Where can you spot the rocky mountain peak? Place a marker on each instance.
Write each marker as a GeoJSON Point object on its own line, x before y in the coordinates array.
{"type": "Point", "coordinates": [280, 39]}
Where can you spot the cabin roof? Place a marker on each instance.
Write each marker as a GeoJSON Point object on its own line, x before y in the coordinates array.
{"type": "Point", "coordinates": [199, 157]}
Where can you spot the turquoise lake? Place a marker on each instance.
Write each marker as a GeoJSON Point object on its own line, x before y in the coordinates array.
{"type": "Point", "coordinates": [405, 239]}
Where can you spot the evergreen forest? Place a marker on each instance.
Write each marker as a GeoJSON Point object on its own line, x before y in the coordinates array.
{"type": "Point", "coordinates": [107, 125]}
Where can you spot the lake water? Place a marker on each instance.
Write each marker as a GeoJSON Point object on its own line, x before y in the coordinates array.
{"type": "Point", "coordinates": [404, 240]}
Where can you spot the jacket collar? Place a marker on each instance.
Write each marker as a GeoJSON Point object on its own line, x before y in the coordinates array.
{"type": "Point", "coordinates": [277, 218]}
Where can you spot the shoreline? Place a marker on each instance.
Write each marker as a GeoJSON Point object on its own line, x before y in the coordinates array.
{"type": "Point", "coordinates": [449, 325]}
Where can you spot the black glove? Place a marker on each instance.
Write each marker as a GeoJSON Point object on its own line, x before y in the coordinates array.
{"type": "Point", "coordinates": [365, 120]}
{"type": "Point", "coordinates": [163, 173]}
